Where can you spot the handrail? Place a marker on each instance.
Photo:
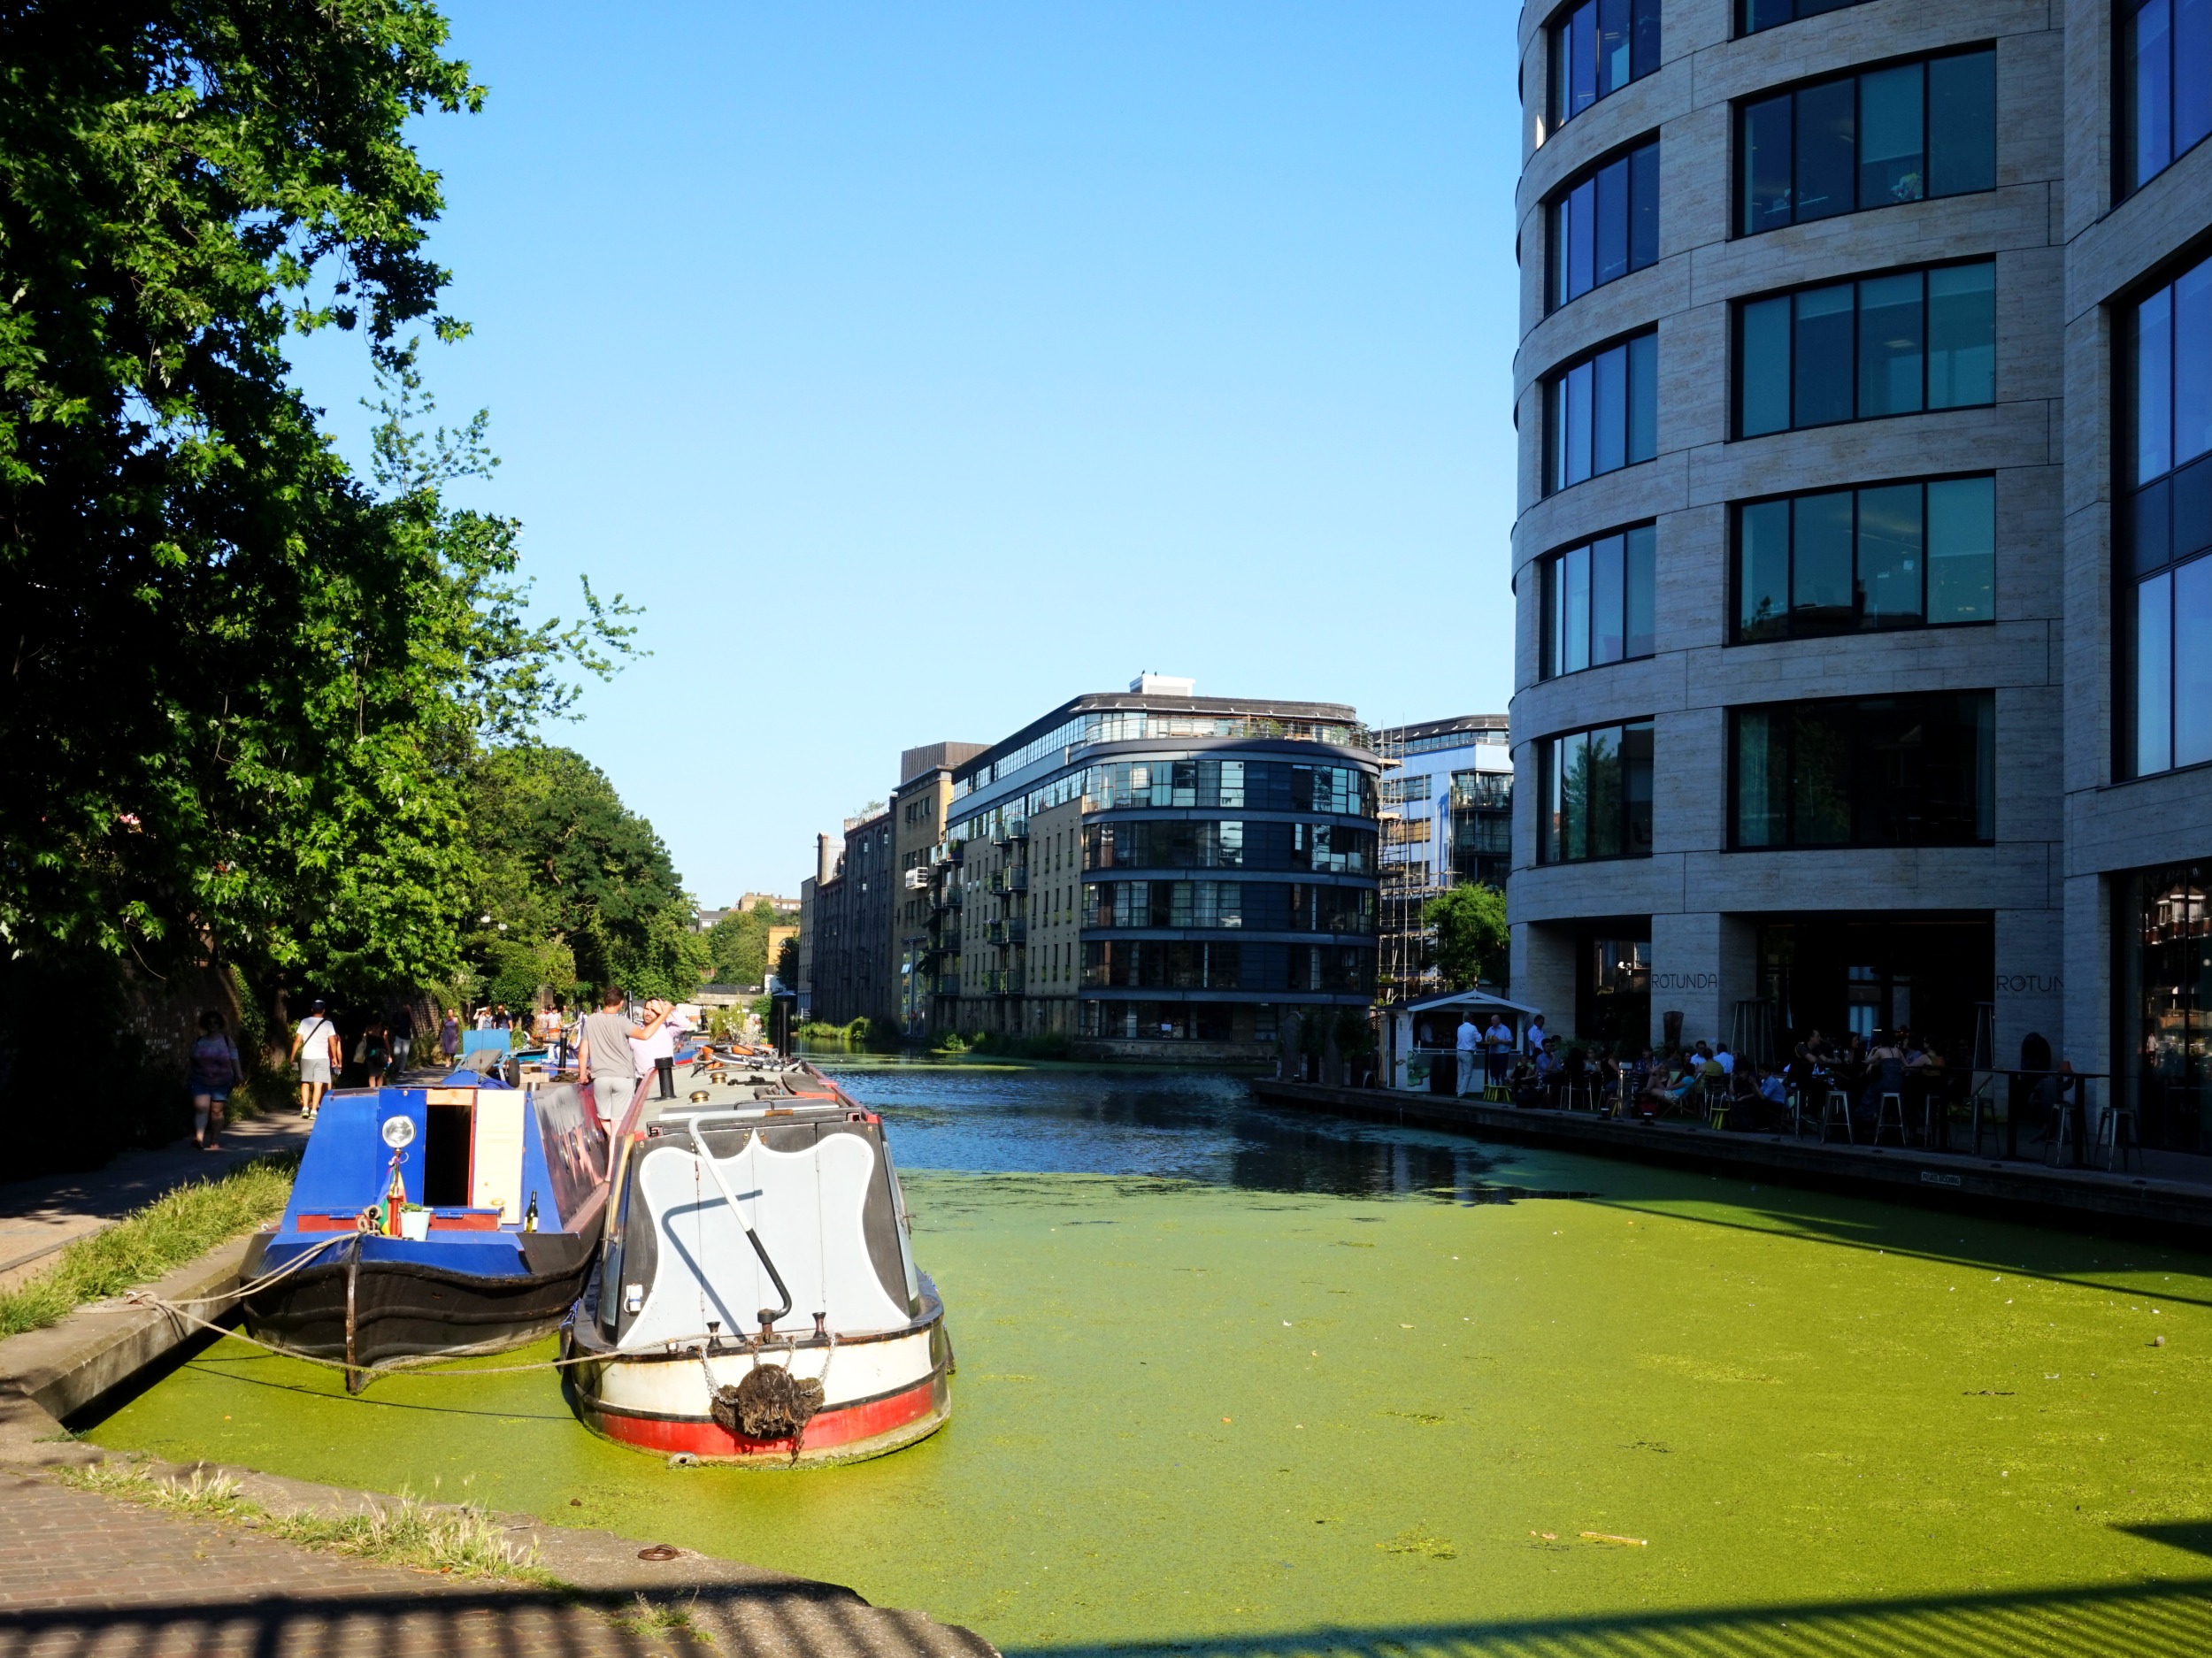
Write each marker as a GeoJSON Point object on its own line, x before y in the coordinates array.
{"type": "Point", "coordinates": [768, 1315]}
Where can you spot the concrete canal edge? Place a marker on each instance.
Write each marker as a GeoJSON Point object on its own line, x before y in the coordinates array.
{"type": "Point", "coordinates": [48, 1375]}
{"type": "Point", "coordinates": [2084, 1200]}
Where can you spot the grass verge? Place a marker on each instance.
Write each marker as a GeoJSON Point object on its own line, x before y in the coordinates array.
{"type": "Point", "coordinates": [148, 1242]}
{"type": "Point", "coordinates": [465, 1541]}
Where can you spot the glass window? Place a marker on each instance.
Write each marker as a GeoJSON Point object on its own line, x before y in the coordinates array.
{"type": "Point", "coordinates": [1595, 792]}
{"type": "Point", "coordinates": [2163, 550]}
{"type": "Point", "coordinates": [1907, 771]}
{"type": "Point", "coordinates": [1598, 48]}
{"type": "Point", "coordinates": [1753, 15]}
{"type": "Point", "coordinates": [1889, 556]}
{"type": "Point", "coordinates": [1604, 412]}
{"type": "Point", "coordinates": [1597, 602]}
{"type": "Point", "coordinates": [2166, 85]}
{"type": "Point", "coordinates": [1606, 225]}
{"type": "Point", "coordinates": [1872, 140]}
{"type": "Point", "coordinates": [1883, 345]}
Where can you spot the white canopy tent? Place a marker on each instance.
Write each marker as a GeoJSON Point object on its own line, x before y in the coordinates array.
{"type": "Point", "coordinates": [1429, 1026]}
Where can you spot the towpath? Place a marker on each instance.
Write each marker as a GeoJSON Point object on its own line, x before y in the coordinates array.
{"type": "Point", "coordinates": [81, 1573]}
{"type": "Point", "coordinates": [37, 1218]}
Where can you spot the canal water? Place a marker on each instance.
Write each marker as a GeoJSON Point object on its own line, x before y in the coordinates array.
{"type": "Point", "coordinates": [1232, 1379]}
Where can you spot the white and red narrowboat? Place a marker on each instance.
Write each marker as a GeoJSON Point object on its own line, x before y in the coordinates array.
{"type": "Point", "coordinates": [757, 1300]}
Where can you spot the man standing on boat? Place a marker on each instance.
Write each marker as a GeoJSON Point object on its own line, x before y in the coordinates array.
{"type": "Point", "coordinates": [316, 1049]}
{"type": "Point", "coordinates": [605, 1062]}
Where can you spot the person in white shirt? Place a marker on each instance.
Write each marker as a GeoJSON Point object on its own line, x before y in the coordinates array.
{"type": "Point", "coordinates": [1728, 1059]}
{"type": "Point", "coordinates": [1537, 1036]}
{"type": "Point", "coordinates": [1499, 1038]}
{"type": "Point", "coordinates": [656, 1052]}
{"type": "Point", "coordinates": [315, 1046]}
{"type": "Point", "coordinates": [1469, 1044]}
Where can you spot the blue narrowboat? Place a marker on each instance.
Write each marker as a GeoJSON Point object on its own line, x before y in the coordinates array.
{"type": "Point", "coordinates": [427, 1221]}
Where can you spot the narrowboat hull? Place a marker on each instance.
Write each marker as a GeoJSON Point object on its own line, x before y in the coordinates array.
{"type": "Point", "coordinates": [882, 1392]}
{"type": "Point", "coordinates": [403, 1309]}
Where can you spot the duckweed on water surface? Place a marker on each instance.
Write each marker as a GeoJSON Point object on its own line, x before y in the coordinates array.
{"type": "Point", "coordinates": [1682, 1414]}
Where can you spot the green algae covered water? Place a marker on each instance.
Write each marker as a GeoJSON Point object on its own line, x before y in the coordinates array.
{"type": "Point", "coordinates": [1233, 1380]}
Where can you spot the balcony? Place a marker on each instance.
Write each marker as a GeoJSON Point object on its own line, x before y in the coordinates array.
{"type": "Point", "coordinates": [947, 944]}
{"type": "Point", "coordinates": [1008, 982]}
{"type": "Point", "coordinates": [1013, 930]}
{"type": "Point", "coordinates": [947, 985]}
{"type": "Point", "coordinates": [947, 851]}
{"type": "Point", "coordinates": [1013, 834]}
{"type": "Point", "coordinates": [1015, 880]}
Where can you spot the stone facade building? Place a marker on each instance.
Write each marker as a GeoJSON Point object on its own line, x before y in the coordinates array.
{"type": "Point", "coordinates": [1842, 516]}
{"type": "Point", "coordinates": [847, 913]}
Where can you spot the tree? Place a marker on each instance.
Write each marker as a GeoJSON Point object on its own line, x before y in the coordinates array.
{"type": "Point", "coordinates": [243, 684]}
{"type": "Point", "coordinates": [1472, 943]}
{"type": "Point", "coordinates": [563, 862]}
{"type": "Point", "coordinates": [738, 944]}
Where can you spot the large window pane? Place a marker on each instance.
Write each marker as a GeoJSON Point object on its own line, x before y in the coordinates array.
{"type": "Point", "coordinates": [1821, 356]}
{"type": "Point", "coordinates": [1820, 774]}
{"type": "Point", "coordinates": [1962, 124]}
{"type": "Point", "coordinates": [1644, 26]}
{"type": "Point", "coordinates": [1606, 644]}
{"type": "Point", "coordinates": [1577, 241]}
{"type": "Point", "coordinates": [1636, 746]}
{"type": "Point", "coordinates": [1574, 610]}
{"type": "Point", "coordinates": [1604, 794]}
{"type": "Point", "coordinates": [1891, 162]}
{"type": "Point", "coordinates": [2154, 386]}
{"type": "Point", "coordinates": [1890, 345]}
{"type": "Point", "coordinates": [1886, 805]}
{"type": "Point", "coordinates": [1762, 570]}
{"type": "Point", "coordinates": [1961, 336]}
{"type": "Point", "coordinates": [1766, 165]}
{"type": "Point", "coordinates": [1962, 550]}
{"type": "Point", "coordinates": [1890, 555]}
{"type": "Point", "coordinates": [1637, 590]}
{"type": "Point", "coordinates": [1762, 366]}
{"type": "Point", "coordinates": [1574, 792]}
{"type": "Point", "coordinates": [1760, 801]}
{"type": "Point", "coordinates": [2153, 675]}
{"type": "Point", "coordinates": [2150, 92]}
{"type": "Point", "coordinates": [1613, 55]}
{"type": "Point", "coordinates": [1612, 222]}
{"type": "Point", "coordinates": [1643, 397]}
{"type": "Point", "coordinates": [2193, 73]}
{"type": "Point", "coordinates": [2192, 363]}
{"type": "Point", "coordinates": [1608, 404]}
{"type": "Point", "coordinates": [1826, 161]}
{"type": "Point", "coordinates": [2193, 662]}
{"type": "Point", "coordinates": [1643, 197]}
{"type": "Point", "coordinates": [1821, 587]}
{"type": "Point", "coordinates": [1582, 31]}
{"type": "Point", "coordinates": [1578, 423]}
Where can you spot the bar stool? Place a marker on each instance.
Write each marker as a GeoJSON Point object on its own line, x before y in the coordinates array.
{"type": "Point", "coordinates": [1834, 1105]}
{"type": "Point", "coordinates": [1889, 1112]}
{"type": "Point", "coordinates": [2116, 1138]}
{"type": "Point", "coordinates": [1935, 1119]}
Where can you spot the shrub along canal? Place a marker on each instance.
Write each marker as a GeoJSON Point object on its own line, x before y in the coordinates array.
{"type": "Point", "coordinates": [1231, 1376]}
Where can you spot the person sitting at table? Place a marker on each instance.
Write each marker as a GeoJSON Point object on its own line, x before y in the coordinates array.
{"type": "Point", "coordinates": [1774, 1090]}
{"type": "Point", "coordinates": [1634, 1071]}
{"type": "Point", "coordinates": [1669, 1089]}
{"type": "Point", "coordinates": [1885, 1074]}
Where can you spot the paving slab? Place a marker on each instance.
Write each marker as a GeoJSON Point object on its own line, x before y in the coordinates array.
{"type": "Point", "coordinates": [82, 1572]}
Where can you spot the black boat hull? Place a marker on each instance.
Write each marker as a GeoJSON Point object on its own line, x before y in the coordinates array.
{"type": "Point", "coordinates": [400, 1310]}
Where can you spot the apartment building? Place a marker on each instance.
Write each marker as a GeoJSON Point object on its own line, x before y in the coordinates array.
{"type": "Point", "coordinates": [1446, 820]}
{"type": "Point", "coordinates": [1863, 658]}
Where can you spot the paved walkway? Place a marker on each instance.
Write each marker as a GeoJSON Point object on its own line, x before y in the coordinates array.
{"type": "Point", "coordinates": [38, 1217]}
{"type": "Point", "coordinates": [85, 1573]}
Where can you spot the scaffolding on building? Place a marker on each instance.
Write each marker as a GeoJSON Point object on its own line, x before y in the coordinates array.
{"type": "Point", "coordinates": [1408, 882]}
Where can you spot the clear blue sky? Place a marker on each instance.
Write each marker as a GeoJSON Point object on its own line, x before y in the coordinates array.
{"type": "Point", "coordinates": [921, 366]}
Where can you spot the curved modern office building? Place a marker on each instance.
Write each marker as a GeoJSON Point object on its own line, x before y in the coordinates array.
{"type": "Point", "coordinates": [1159, 867]}
{"type": "Point", "coordinates": [1856, 618]}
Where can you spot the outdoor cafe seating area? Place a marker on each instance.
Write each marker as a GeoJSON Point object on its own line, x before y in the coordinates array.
{"type": "Point", "coordinates": [1887, 1089]}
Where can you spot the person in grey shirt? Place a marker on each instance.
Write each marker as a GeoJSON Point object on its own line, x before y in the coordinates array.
{"type": "Point", "coordinates": [604, 1061]}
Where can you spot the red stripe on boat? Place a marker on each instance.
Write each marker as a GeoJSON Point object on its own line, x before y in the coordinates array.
{"type": "Point", "coordinates": [827, 1430]}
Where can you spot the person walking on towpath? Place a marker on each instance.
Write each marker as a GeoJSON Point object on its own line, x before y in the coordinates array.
{"type": "Point", "coordinates": [450, 1036]}
{"type": "Point", "coordinates": [373, 1052]}
{"type": "Point", "coordinates": [215, 1073]}
{"type": "Point", "coordinates": [318, 1052]}
{"type": "Point", "coordinates": [605, 1061]}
